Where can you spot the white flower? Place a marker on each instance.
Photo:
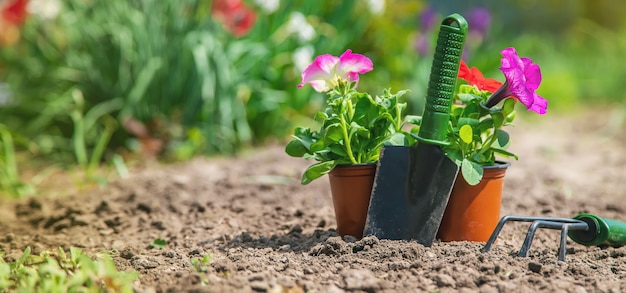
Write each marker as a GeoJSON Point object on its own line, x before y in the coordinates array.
{"type": "Point", "coordinates": [302, 57]}
{"type": "Point", "coordinates": [376, 6]}
{"type": "Point", "coordinates": [298, 24]}
{"type": "Point", "coordinates": [269, 6]}
{"type": "Point", "coordinates": [46, 9]}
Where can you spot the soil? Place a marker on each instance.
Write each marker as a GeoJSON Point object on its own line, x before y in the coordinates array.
{"type": "Point", "coordinates": [267, 233]}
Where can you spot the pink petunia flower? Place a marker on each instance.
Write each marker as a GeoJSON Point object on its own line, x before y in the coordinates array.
{"type": "Point", "coordinates": [522, 80]}
{"type": "Point", "coordinates": [327, 70]}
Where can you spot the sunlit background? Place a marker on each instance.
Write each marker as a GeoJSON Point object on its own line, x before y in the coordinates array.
{"type": "Point", "coordinates": [86, 84]}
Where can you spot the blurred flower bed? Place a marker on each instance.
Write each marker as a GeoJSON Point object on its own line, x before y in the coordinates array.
{"type": "Point", "coordinates": [89, 82]}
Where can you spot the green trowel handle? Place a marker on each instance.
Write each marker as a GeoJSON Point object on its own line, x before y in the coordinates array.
{"type": "Point", "coordinates": [601, 231]}
{"type": "Point", "coordinates": [443, 74]}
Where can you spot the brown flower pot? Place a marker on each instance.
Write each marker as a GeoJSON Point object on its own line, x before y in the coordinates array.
{"type": "Point", "coordinates": [473, 212]}
{"type": "Point", "coordinates": [351, 187]}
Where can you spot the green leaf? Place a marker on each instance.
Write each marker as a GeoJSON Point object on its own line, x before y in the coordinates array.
{"type": "Point", "coordinates": [468, 98]}
{"type": "Point", "coordinates": [305, 135]}
{"type": "Point", "coordinates": [24, 257]}
{"type": "Point", "coordinates": [295, 148]}
{"type": "Point", "coordinates": [509, 106]}
{"type": "Point", "coordinates": [359, 130]}
{"type": "Point", "coordinates": [413, 119]}
{"type": "Point", "coordinates": [320, 116]}
{"type": "Point", "coordinates": [498, 119]}
{"type": "Point", "coordinates": [318, 146]}
{"type": "Point", "coordinates": [503, 138]}
{"type": "Point", "coordinates": [338, 150]}
{"type": "Point", "coordinates": [468, 121]}
{"type": "Point", "coordinates": [472, 111]}
{"type": "Point", "coordinates": [472, 172]}
{"type": "Point", "coordinates": [509, 118]}
{"type": "Point", "coordinates": [397, 139]}
{"type": "Point", "coordinates": [504, 153]}
{"type": "Point", "coordinates": [159, 243]}
{"type": "Point", "coordinates": [466, 134]}
{"type": "Point", "coordinates": [334, 133]}
{"type": "Point", "coordinates": [316, 171]}
{"type": "Point", "coordinates": [485, 124]}
{"type": "Point", "coordinates": [456, 110]}
{"type": "Point", "coordinates": [456, 155]}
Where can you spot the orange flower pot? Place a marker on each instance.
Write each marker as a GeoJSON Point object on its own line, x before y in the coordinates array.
{"type": "Point", "coordinates": [473, 212]}
{"type": "Point", "coordinates": [351, 188]}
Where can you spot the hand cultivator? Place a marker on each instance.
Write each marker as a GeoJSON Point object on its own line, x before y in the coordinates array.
{"type": "Point", "coordinates": [585, 229]}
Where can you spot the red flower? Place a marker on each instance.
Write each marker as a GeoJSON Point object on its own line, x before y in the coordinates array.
{"type": "Point", "coordinates": [14, 12]}
{"type": "Point", "coordinates": [235, 15]}
{"type": "Point", "coordinates": [474, 77]}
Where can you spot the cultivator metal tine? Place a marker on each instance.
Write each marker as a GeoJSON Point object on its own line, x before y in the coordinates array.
{"type": "Point", "coordinates": [503, 220]}
{"type": "Point", "coordinates": [572, 226]}
{"type": "Point", "coordinates": [563, 224]}
{"type": "Point", "coordinates": [555, 225]}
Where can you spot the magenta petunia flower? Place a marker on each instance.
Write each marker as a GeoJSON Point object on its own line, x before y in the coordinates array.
{"type": "Point", "coordinates": [522, 80]}
{"type": "Point", "coordinates": [327, 70]}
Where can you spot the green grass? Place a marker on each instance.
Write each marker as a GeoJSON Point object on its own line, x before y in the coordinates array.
{"type": "Point", "coordinates": [60, 272]}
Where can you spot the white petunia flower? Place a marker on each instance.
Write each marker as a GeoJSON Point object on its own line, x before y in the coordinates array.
{"type": "Point", "coordinates": [302, 57]}
{"type": "Point", "coordinates": [298, 24]}
{"type": "Point", "coordinates": [269, 6]}
{"type": "Point", "coordinates": [46, 9]}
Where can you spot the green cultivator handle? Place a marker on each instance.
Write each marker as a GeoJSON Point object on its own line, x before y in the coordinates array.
{"type": "Point", "coordinates": [443, 74]}
{"type": "Point", "coordinates": [601, 231]}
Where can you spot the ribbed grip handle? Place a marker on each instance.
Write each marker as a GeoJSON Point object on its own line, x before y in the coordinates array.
{"type": "Point", "coordinates": [601, 231]}
{"type": "Point", "coordinates": [443, 74]}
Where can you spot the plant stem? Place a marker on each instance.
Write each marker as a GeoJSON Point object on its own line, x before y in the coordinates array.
{"type": "Point", "coordinates": [9, 156]}
{"type": "Point", "coordinates": [398, 120]}
{"type": "Point", "coordinates": [492, 138]}
{"type": "Point", "coordinates": [346, 137]}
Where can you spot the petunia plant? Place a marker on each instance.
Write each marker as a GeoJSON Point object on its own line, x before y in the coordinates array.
{"type": "Point", "coordinates": [476, 135]}
{"type": "Point", "coordinates": [354, 125]}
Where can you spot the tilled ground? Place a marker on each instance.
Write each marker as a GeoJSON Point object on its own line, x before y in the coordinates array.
{"type": "Point", "coordinates": [267, 233]}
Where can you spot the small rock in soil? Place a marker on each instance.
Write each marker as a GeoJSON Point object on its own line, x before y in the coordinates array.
{"type": "Point", "coordinates": [443, 280]}
{"type": "Point", "coordinates": [113, 222]}
{"type": "Point", "coordinates": [144, 207]}
{"type": "Point", "coordinates": [139, 262]}
{"type": "Point", "coordinates": [103, 207]}
{"type": "Point", "coordinates": [506, 287]}
{"type": "Point", "coordinates": [534, 267]}
{"type": "Point", "coordinates": [259, 286]}
{"type": "Point", "coordinates": [488, 289]}
{"type": "Point", "coordinates": [65, 223]}
{"type": "Point", "coordinates": [158, 225]}
{"type": "Point", "coordinates": [81, 220]}
{"type": "Point", "coordinates": [127, 253]}
{"type": "Point", "coordinates": [361, 280]}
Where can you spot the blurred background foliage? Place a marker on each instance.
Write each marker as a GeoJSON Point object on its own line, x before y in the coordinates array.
{"type": "Point", "coordinates": [84, 83]}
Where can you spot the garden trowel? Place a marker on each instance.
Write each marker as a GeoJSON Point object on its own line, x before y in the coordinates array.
{"type": "Point", "coordinates": [413, 183]}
